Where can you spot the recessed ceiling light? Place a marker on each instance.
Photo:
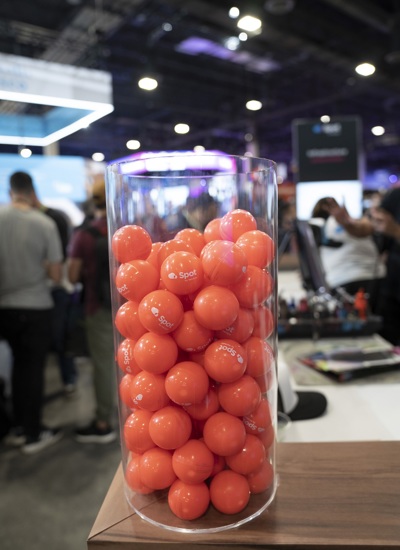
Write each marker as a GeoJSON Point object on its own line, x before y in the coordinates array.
{"type": "Point", "coordinates": [133, 144]}
{"type": "Point", "coordinates": [25, 152]}
{"type": "Point", "coordinates": [181, 128]}
{"type": "Point", "coordinates": [199, 149]}
{"type": "Point", "coordinates": [243, 36]}
{"type": "Point", "coordinates": [148, 83]}
{"type": "Point", "coordinates": [249, 23]}
{"type": "Point", "coordinates": [234, 12]}
{"type": "Point", "coordinates": [98, 157]}
{"type": "Point", "coordinates": [232, 43]}
{"type": "Point", "coordinates": [325, 119]}
{"type": "Point", "coordinates": [378, 130]}
{"type": "Point", "coordinates": [253, 105]}
{"type": "Point", "coordinates": [365, 69]}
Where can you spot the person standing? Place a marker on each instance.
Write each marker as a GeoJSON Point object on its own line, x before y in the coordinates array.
{"type": "Point", "coordinates": [84, 265]}
{"type": "Point", "coordinates": [386, 220]}
{"type": "Point", "coordinates": [62, 296]}
{"type": "Point", "coordinates": [30, 254]}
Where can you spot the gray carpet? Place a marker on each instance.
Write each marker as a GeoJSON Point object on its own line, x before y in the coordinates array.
{"type": "Point", "coordinates": [50, 500]}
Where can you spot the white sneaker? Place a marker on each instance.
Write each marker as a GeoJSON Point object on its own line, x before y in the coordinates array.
{"type": "Point", "coordinates": [46, 438]}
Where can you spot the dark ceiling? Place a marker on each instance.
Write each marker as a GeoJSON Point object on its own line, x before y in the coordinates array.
{"type": "Point", "coordinates": [300, 66]}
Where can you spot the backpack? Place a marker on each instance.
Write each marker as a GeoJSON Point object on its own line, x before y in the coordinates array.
{"type": "Point", "coordinates": [103, 286]}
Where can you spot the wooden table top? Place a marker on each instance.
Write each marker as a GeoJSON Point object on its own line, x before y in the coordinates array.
{"type": "Point", "coordinates": [330, 496]}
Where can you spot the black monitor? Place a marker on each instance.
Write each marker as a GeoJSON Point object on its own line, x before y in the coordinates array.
{"type": "Point", "coordinates": [311, 269]}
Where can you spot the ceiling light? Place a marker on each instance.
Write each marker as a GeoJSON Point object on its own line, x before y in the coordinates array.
{"type": "Point", "coordinates": [98, 157]}
{"type": "Point", "coordinates": [181, 128]}
{"type": "Point", "coordinates": [25, 152]}
{"type": "Point", "coordinates": [243, 36]}
{"type": "Point", "coordinates": [249, 23]}
{"type": "Point", "coordinates": [148, 83]}
{"type": "Point", "coordinates": [199, 149]}
{"type": "Point", "coordinates": [365, 69]}
{"type": "Point", "coordinates": [234, 12]}
{"type": "Point", "coordinates": [232, 43]}
{"type": "Point", "coordinates": [253, 105]}
{"type": "Point", "coordinates": [378, 130]}
{"type": "Point", "coordinates": [167, 27]}
{"type": "Point", "coordinates": [325, 119]}
{"type": "Point", "coordinates": [133, 144]}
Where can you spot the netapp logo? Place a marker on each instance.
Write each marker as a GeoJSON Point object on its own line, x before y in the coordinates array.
{"type": "Point", "coordinates": [333, 129]}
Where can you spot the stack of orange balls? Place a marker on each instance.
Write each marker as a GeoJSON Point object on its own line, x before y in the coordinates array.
{"type": "Point", "coordinates": [196, 364]}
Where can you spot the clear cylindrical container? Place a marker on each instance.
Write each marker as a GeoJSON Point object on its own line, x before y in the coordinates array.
{"type": "Point", "coordinates": [194, 284]}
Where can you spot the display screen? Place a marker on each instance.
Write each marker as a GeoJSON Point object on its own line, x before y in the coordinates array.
{"type": "Point", "coordinates": [347, 193]}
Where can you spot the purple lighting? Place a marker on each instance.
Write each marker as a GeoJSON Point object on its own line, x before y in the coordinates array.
{"type": "Point", "coordinates": [165, 161]}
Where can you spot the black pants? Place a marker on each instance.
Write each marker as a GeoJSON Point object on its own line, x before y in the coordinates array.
{"type": "Point", "coordinates": [28, 334]}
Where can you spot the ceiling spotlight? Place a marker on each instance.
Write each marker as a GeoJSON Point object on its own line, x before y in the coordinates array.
{"type": "Point", "coordinates": [181, 128]}
{"type": "Point", "coordinates": [253, 105]}
{"type": "Point", "coordinates": [133, 144]}
{"type": "Point", "coordinates": [232, 43]}
{"type": "Point", "coordinates": [325, 119]}
{"type": "Point", "coordinates": [243, 36]}
{"type": "Point", "coordinates": [98, 157]}
{"type": "Point", "coordinates": [199, 149]}
{"type": "Point", "coordinates": [166, 27]}
{"type": "Point", "coordinates": [148, 83]}
{"type": "Point", "coordinates": [365, 69]}
{"type": "Point", "coordinates": [378, 130]}
{"type": "Point", "coordinates": [25, 152]}
{"type": "Point", "coordinates": [249, 23]}
{"type": "Point", "coordinates": [234, 12]}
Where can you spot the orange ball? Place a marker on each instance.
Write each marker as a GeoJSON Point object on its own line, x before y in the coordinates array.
{"type": "Point", "coordinates": [241, 328]}
{"type": "Point", "coordinates": [215, 307]}
{"type": "Point", "coordinates": [125, 358]}
{"type": "Point", "coordinates": [223, 262]}
{"type": "Point", "coordinates": [225, 360]}
{"type": "Point", "coordinates": [152, 258]}
{"type": "Point", "coordinates": [132, 477]}
{"type": "Point", "coordinates": [136, 431]}
{"type": "Point", "coordinates": [224, 434]}
{"type": "Point", "coordinates": [155, 353]}
{"type": "Point", "coordinates": [191, 335]}
{"type": "Point", "coordinates": [264, 322]}
{"type": "Point", "coordinates": [254, 287]}
{"type": "Point", "coordinates": [193, 462]}
{"type": "Point", "coordinates": [186, 383]}
{"type": "Point", "coordinates": [127, 321]}
{"type": "Point", "coordinates": [241, 397]}
{"type": "Point", "coordinates": [211, 231]}
{"type": "Point", "coordinates": [258, 248]}
{"type": "Point", "coordinates": [258, 421]}
{"type": "Point", "coordinates": [135, 279]}
{"type": "Point", "coordinates": [235, 223]}
{"type": "Point", "coordinates": [160, 311]}
{"type": "Point", "coordinates": [170, 427]}
{"type": "Point", "coordinates": [206, 408]}
{"type": "Point", "coordinates": [262, 479]}
{"type": "Point", "coordinates": [130, 242]}
{"type": "Point", "coordinates": [125, 390]}
{"type": "Point", "coordinates": [155, 469]}
{"type": "Point", "coordinates": [182, 273]}
{"type": "Point", "coordinates": [193, 237]}
{"type": "Point", "coordinates": [260, 357]}
{"type": "Point", "coordinates": [188, 501]}
{"type": "Point", "coordinates": [169, 247]}
{"type": "Point", "coordinates": [148, 391]}
{"type": "Point", "coordinates": [250, 458]}
{"type": "Point", "coordinates": [229, 492]}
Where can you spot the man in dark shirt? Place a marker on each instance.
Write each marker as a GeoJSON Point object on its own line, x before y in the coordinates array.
{"type": "Point", "coordinates": [82, 266]}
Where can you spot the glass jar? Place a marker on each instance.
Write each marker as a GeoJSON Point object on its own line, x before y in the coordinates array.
{"type": "Point", "coordinates": [194, 282]}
